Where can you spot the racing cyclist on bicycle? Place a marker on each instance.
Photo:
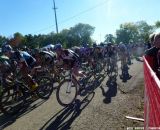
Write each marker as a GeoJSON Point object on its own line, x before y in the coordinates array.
{"type": "Point", "coordinates": [68, 59]}
{"type": "Point", "coordinates": [97, 52]}
{"type": "Point", "coordinates": [123, 54]}
{"type": "Point", "coordinates": [111, 55]}
{"type": "Point", "coordinates": [25, 61]}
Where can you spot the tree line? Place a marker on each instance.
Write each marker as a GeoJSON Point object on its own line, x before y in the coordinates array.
{"type": "Point", "coordinates": [81, 34]}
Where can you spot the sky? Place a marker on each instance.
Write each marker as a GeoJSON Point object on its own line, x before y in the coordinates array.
{"type": "Point", "coordinates": [37, 16]}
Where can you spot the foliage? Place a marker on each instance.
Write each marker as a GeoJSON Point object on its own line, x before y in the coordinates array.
{"type": "Point", "coordinates": [136, 32]}
{"type": "Point", "coordinates": [109, 38]}
{"type": "Point", "coordinates": [2, 40]}
{"type": "Point", "coordinates": [81, 34]}
{"type": "Point", "coordinates": [157, 24]}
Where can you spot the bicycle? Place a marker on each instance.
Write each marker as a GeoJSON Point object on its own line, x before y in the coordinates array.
{"type": "Point", "coordinates": [94, 67]}
{"type": "Point", "coordinates": [110, 66]}
{"type": "Point", "coordinates": [16, 93]}
{"type": "Point", "coordinates": [69, 89]}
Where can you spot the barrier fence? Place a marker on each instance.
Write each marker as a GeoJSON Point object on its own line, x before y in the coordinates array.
{"type": "Point", "coordinates": [152, 96]}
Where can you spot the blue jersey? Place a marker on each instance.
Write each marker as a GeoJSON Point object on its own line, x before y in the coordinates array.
{"type": "Point", "coordinates": [21, 56]}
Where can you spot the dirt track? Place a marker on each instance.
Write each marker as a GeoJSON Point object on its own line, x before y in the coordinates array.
{"type": "Point", "coordinates": [104, 109]}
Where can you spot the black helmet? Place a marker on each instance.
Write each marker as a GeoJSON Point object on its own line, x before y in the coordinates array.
{"type": "Point", "coordinates": [6, 48]}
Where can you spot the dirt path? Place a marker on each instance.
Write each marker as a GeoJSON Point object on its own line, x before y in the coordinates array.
{"type": "Point", "coordinates": [104, 109]}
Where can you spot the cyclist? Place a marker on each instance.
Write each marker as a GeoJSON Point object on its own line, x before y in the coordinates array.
{"type": "Point", "coordinates": [25, 61]}
{"type": "Point", "coordinates": [97, 52]}
{"type": "Point", "coordinates": [68, 59]}
{"type": "Point", "coordinates": [111, 54]}
{"type": "Point", "coordinates": [122, 53]}
{"type": "Point", "coordinates": [13, 41]}
{"type": "Point", "coordinates": [49, 48]}
{"type": "Point", "coordinates": [44, 57]}
{"type": "Point", "coordinates": [128, 46]}
{"type": "Point", "coordinates": [4, 67]}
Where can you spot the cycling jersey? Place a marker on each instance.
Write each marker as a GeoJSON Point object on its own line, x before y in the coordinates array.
{"type": "Point", "coordinates": [21, 56]}
{"type": "Point", "coordinates": [69, 58]}
{"type": "Point", "coordinates": [46, 57]}
{"type": "Point", "coordinates": [97, 53]}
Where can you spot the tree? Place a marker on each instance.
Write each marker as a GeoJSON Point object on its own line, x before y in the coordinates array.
{"type": "Point", "coordinates": [80, 33]}
{"type": "Point", "coordinates": [144, 30]}
{"type": "Point", "coordinates": [2, 40]}
{"type": "Point", "coordinates": [109, 38]}
{"type": "Point", "coordinates": [65, 39]}
{"type": "Point", "coordinates": [126, 32]}
{"type": "Point", "coordinates": [157, 24]}
{"type": "Point", "coordinates": [29, 41]}
{"type": "Point", "coordinates": [135, 31]}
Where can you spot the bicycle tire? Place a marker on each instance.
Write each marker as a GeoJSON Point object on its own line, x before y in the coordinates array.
{"type": "Point", "coordinates": [63, 103]}
{"type": "Point", "coordinates": [45, 90]}
{"type": "Point", "coordinates": [97, 69]}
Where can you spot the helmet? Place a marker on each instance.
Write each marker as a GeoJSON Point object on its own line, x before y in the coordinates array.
{"type": "Point", "coordinates": [109, 44]}
{"type": "Point", "coordinates": [6, 48]}
{"type": "Point", "coordinates": [57, 46]}
{"type": "Point", "coordinates": [94, 45]}
{"type": "Point", "coordinates": [102, 44]}
{"type": "Point", "coordinates": [85, 45]}
{"type": "Point", "coordinates": [44, 49]}
{"type": "Point", "coordinates": [122, 46]}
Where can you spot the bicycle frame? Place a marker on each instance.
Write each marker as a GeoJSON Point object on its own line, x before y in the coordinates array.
{"type": "Point", "coordinates": [73, 80]}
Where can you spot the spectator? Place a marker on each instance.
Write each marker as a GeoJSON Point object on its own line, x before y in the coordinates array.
{"type": "Point", "coordinates": [152, 52]}
{"type": "Point", "coordinates": [151, 38]}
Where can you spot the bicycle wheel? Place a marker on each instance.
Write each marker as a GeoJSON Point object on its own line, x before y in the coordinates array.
{"type": "Point", "coordinates": [97, 68]}
{"type": "Point", "coordinates": [109, 70]}
{"type": "Point", "coordinates": [15, 100]}
{"type": "Point", "coordinates": [115, 70]}
{"type": "Point", "coordinates": [66, 93]}
{"type": "Point", "coordinates": [45, 87]}
{"type": "Point", "coordinates": [5, 94]}
{"type": "Point", "coordinates": [105, 66]}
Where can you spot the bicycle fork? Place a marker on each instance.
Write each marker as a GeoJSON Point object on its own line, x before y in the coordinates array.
{"type": "Point", "coordinates": [69, 85]}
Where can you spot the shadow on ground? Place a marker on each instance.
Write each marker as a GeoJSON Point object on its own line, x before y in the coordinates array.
{"type": "Point", "coordinates": [112, 90]}
{"type": "Point", "coordinates": [64, 118]}
{"type": "Point", "coordinates": [125, 76]}
{"type": "Point", "coordinates": [6, 120]}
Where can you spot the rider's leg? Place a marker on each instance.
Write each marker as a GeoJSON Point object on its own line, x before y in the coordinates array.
{"type": "Point", "coordinates": [76, 71]}
{"type": "Point", "coordinates": [32, 84]}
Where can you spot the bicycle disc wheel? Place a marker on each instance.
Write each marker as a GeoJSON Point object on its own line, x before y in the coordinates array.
{"type": "Point", "coordinates": [66, 93]}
